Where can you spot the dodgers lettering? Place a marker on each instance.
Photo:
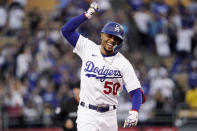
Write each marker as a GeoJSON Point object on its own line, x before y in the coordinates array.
{"type": "Point", "coordinates": [101, 73]}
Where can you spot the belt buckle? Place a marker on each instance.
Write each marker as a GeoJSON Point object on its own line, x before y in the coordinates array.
{"type": "Point", "coordinates": [101, 106]}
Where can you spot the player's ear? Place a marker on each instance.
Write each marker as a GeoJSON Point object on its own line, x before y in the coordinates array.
{"type": "Point", "coordinates": [101, 36]}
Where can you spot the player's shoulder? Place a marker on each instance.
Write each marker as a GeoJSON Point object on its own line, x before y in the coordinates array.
{"type": "Point", "coordinates": [124, 63]}
{"type": "Point", "coordinates": [83, 38]}
{"type": "Point", "coordinates": [87, 41]}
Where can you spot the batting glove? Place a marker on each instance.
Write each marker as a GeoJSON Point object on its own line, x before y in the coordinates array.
{"type": "Point", "coordinates": [91, 11]}
{"type": "Point", "coordinates": [131, 120]}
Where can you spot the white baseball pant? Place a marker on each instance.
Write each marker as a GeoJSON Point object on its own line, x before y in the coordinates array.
{"type": "Point", "coordinates": [91, 120]}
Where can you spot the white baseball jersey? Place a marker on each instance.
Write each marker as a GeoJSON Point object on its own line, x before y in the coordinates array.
{"type": "Point", "coordinates": [102, 78]}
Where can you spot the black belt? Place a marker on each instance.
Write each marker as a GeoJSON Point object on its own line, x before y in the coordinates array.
{"type": "Point", "coordinates": [99, 108]}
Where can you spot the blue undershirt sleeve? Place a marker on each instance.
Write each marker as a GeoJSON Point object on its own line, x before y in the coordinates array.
{"type": "Point", "coordinates": [68, 30]}
{"type": "Point", "coordinates": [136, 99]}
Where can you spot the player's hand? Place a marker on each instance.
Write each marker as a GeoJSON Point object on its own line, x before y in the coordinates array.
{"type": "Point", "coordinates": [94, 7]}
{"type": "Point", "coordinates": [68, 124]}
{"type": "Point", "coordinates": [131, 120]}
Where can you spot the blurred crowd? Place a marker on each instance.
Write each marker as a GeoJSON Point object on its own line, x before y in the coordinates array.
{"type": "Point", "coordinates": [38, 67]}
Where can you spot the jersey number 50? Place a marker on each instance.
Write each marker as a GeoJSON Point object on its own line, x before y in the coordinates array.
{"type": "Point", "coordinates": [111, 87]}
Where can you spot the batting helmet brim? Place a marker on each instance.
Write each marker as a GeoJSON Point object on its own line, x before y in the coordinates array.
{"type": "Point", "coordinates": [114, 34]}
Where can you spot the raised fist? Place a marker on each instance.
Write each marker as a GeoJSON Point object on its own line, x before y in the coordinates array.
{"type": "Point", "coordinates": [132, 119]}
{"type": "Point", "coordinates": [95, 6]}
{"type": "Point", "coordinates": [91, 11]}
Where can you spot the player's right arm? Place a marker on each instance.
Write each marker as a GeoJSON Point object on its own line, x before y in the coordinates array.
{"type": "Point", "coordinates": [68, 30]}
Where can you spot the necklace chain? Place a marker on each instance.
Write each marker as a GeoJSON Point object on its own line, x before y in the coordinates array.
{"type": "Point", "coordinates": [111, 62]}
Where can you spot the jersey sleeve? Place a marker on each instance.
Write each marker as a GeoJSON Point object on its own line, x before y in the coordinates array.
{"type": "Point", "coordinates": [83, 46]}
{"type": "Point", "coordinates": [130, 79]}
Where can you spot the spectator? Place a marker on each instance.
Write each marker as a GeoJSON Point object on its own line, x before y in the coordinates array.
{"type": "Point", "coordinates": [191, 98]}
{"type": "Point", "coordinates": [162, 92]}
{"type": "Point", "coordinates": [34, 20]}
{"type": "Point", "coordinates": [162, 44]}
{"type": "Point", "coordinates": [31, 114]}
{"type": "Point", "coordinates": [49, 95]}
{"type": "Point", "coordinates": [184, 36]}
{"type": "Point", "coordinates": [23, 61]}
{"type": "Point", "coordinates": [156, 71]}
{"type": "Point", "coordinates": [13, 103]}
{"type": "Point", "coordinates": [7, 60]}
{"type": "Point", "coordinates": [38, 101]}
{"type": "Point", "coordinates": [16, 16]}
{"type": "Point", "coordinates": [47, 114]}
{"type": "Point", "coordinates": [174, 23]}
{"type": "Point", "coordinates": [142, 18]}
{"type": "Point", "coordinates": [183, 48]}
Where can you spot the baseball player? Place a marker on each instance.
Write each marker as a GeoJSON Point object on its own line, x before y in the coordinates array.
{"type": "Point", "coordinates": [104, 72]}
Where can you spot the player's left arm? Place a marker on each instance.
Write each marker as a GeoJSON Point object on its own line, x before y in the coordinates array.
{"type": "Point", "coordinates": [138, 98]}
{"type": "Point", "coordinates": [133, 86]}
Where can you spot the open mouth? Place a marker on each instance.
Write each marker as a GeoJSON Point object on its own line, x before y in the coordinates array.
{"type": "Point", "coordinates": [110, 45]}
